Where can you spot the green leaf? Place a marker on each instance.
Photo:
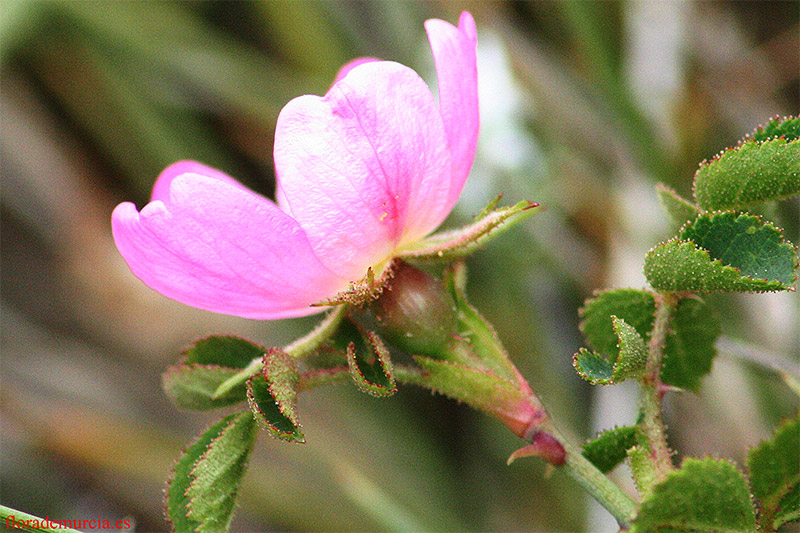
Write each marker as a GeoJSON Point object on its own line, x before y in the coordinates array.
{"type": "Point", "coordinates": [201, 492]}
{"type": "Point", "coordinates": [481, 389]}
{"type": "Point", "coordinates": [690, 347]}
{"type": "Point", "coordinates": [704, 495]}
{"type": "Point", "coordinates": [637, 308]}
{"type": "Point", "coordinates": [223, 350]}
{"type": "Point", "coordinates": [745, 242]}
{"type": "Point", "coordinates": [679, 209]}
{"type": "Point", "coordinates": [788, 127]}
{"type": "Point", "coordinates": [192, 386]}
{"type": "Point", "coordinates": [593, 367]}
{"type": "Point", "coordinates": [750, 173]}
{"type": "Point", "coordinates": [280, 370]}
{"type": "Point", "coordinates": [774, 468]}
{"type": "Point", "coordinates": [610, 447]}
{"type": "Point", "coordinates": [371, 367]}
{"type": "Point", "coordinates": [723, 252]}
{"type": "Point", "coordinates": [269, 414]}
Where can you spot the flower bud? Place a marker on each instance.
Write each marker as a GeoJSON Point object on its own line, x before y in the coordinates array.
{"type": "Point", "coordinates": [416, 312]}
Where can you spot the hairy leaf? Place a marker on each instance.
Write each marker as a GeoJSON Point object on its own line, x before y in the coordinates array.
{"type": "Point", "coordinates": [679, 209]}
{"type": "Point", "coordinates": [192, 386]}
{"type": "Point", "coordinates": [217, 474]}
{"type": "Point", "coordinates": [787, 127]}
{"type": "Point", "coordinates": [593, 367]}
{"type": "Point", "coordinates": [723, 252]}
{"type": "Point", "coordinates": [280, 370]}
{"type": "Point", "coordinates": [748, 174]}
{"type": "Point", "coordinates": [207, 504]}
{"type": "Point", "coordinates": [610, 447]}
{"type": "Point", "coordinates": [223, 350]}
{"type": "Point", "coordinates": [775, 476]}
{"type": "Point", "coordinates": [690, 347]}
{"type": "Point", "coordinates": [371, 367]}
{"type": "Point", "coordinates": [704, 495]}
{"type": "Point", "coordinates": [632, 352]}
{"type": "Point", "coordinates": [269, 414]}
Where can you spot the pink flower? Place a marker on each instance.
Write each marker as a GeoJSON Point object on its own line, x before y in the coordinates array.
{"type": "Point", "coordinates": [363, 172]}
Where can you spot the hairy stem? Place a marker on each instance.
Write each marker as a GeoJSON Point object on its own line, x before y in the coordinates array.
{"type": "Point", "coordinates": [297, 349]}
{"type": "Point", "coordinates": [653, 389]}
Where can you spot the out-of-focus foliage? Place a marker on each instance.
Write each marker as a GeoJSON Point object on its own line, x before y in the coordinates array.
{"type": "Point", "coordinates": [585, 105]}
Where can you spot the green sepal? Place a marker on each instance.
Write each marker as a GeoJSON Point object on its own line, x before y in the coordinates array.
{"type": "Point", "coordinates": [192, 386]}
{"type": "Point", "coordinates": [453, 244]}
{"type": "Point", "coordinates": [774, 467]}
{"type": "Point", "coordinates": [786, 127]}
{"type": "Point", "coordinates": [481, 389]}
{"type": "Point", "coordinates": [478, 339]}
{"type": "Point", "coordinates": [281, 371]}
{"type": "Point", "coordinates": [748, 174]}
{"type": "Point", "coordinates": [370, 366]}
{"type": "Point", "coordinates": [201, 493]}
{"type": "Point", "coordinates": [610, 447]}
{"type": "Point", "coordinates": [680, 210]}
{"type": "Point", "coordinates": [689, 349]}
{"type": "Point", "coordinates": [223, 350]}
{"type": "Point", "coordinates": [723, 252]}
{"type": "Point", "coordinates": [279, 419]}
{"type": "Point", "coordinates": [708, 495]}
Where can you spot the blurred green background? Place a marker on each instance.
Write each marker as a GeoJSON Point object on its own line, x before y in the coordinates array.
{"type": "Point", "coordinates": [585, 106]}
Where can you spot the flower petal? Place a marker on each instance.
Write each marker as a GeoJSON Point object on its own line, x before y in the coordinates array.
{"type": "Point", "coordinates": [457, 75]}
{"type": "Point", "coordinates": [214, 245]}
{"type": "Point", "coordinates": [365, 168]}
{"type": "Point", "coordinates": [162, 185]}
{"type": "Point", "coordinates": [345, 70]}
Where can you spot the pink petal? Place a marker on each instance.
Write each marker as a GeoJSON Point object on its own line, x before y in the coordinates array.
{"type": "Point", "coordinates": [214, 245]}
{"type": "Point", "coordinates": [366, 168]}
{"type": "Point", "coordinates": [162, 185]}
{"type": "Point", "coordinates": [457, 74]}
{"type": "Point", "coordinates": [345, 70]}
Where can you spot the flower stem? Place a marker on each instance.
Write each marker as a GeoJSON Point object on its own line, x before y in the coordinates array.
{"type": "Point", "coordinates": [597, 484]}
{"type": "Point", "coordinates": [302, 346]}
{"type": "Point", "coordinates": [653, 390]}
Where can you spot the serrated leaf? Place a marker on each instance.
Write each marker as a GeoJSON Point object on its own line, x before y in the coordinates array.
{"type": "Point", "coordinates": [483, 390]}
{"type": "Point", "coordinates": [281, 372]}
{"type": "Point", "coordinates": [774, 468]}
{"type": "Point", "coordinates": [748, 174]}
{"type": "Point", "coordinates": [217, 474]}
{"type": "Point", "coordinates": [745, 242]}
{"type": "Point", "coordinates": [632, 352]}
{"type": "Point", "coordinates": [680, 266]}
{"type": "Point", "coordinates": [680, 210]}
{"type": "Point", "coordinates": [704, 495]}
{"type": "Point", "coordinates": [637, 308]}
{"type": "Point", "coordinates": [182, 508]}
{"type": "Point", "coordinates": [192, 386]}
{"type": "Point", "coordinates": [268, 413]}
{"type": "Point", "coordinates": [593, 367]}
{"type": "Point", "coordinates": [610, 447]}
{"type": "Point", "coordinates": [371, 367]}
{"type": "Point", "coordinates": [787, 127]}
{"type": "Point", "coordinates": [690, 347]}
{"type": "Point", "coordinates": [223, 350]}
